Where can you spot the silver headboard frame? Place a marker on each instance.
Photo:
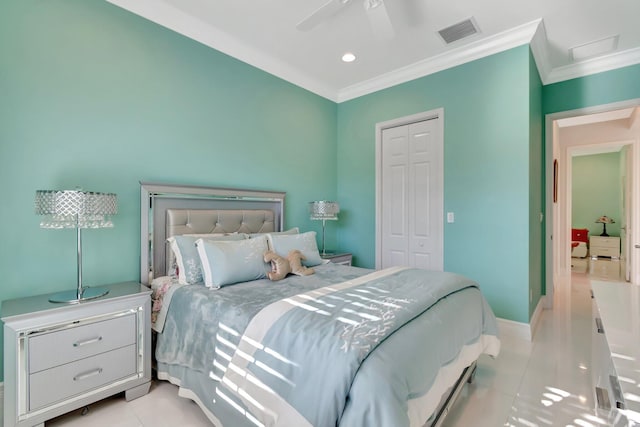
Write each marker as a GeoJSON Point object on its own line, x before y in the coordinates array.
{"type": "Point", "coordinates": [158, 201]}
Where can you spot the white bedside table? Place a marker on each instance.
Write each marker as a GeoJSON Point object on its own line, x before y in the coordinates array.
{"type": "Point", "coordinates": [338, 258]}
{"type": "Point", "coordinates": [604, 246]}
{"type": "Point", "coordinates": [60, 357]}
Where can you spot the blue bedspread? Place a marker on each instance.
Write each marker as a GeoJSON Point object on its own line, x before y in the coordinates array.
{"type": "Point", "coordinates": [301, 353]}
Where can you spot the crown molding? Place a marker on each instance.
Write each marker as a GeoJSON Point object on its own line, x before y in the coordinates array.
{"type": "Point", "coordinates": [479, 49]}
{"type": "Point", "coordinates": [168, 16]}
{"type": "Point", "coordinates": [594, 66]}
{"type": "Point", "coordinates": [532, 33]}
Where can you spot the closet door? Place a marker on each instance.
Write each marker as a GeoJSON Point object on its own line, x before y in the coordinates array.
{"type": "Point", "coordinates": [412, 195]}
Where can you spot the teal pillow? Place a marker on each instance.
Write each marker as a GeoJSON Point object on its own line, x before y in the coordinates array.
{"type": "Point", "coordinates": [228, 262]}
{"type": "Point", "coordinates": [306, 243]}
{"type": "Point", "coordinates": [186, 254]}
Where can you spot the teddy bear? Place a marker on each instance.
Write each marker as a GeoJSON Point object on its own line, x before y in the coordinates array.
{"type": "Point", "coordinates": [279, 266]}
{"type": "Point", "coordinates": [295, 258]}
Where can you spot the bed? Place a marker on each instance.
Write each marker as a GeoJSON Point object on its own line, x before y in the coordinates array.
{"type": "Point", "coordinates": [344, 346]}
{"type": "Point", "coordinates": [579, 242]}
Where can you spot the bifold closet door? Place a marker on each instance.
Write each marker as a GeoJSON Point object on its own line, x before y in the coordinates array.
{"type": "Point", "coordinates": [412, 195]}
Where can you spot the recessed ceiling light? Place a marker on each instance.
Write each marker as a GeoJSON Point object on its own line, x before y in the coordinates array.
{"type": "Point", "coordinates": [348, 57]}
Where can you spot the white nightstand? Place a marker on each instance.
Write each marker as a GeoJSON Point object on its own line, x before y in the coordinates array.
{"type": "Point", "coordinates": [604, 246]}
{"type": "Point", "coordinates": [60, 357]}
{"type": "Point", "coordinates": [342, 258]}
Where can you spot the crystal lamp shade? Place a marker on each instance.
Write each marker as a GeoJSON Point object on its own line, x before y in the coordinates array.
{"type": "Point", "coordinates": [324, 210]}
{"type": "Point", "coordinates": [75, 208]}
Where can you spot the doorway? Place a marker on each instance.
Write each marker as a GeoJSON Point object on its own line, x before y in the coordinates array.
{"type": "Point", "coordinates": [625, 131]}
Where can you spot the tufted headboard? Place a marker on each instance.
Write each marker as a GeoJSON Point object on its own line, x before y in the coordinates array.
{"type": "Point", "coordinates": [167, 210]}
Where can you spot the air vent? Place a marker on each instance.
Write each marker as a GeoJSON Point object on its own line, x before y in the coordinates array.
{"type": "Point", "coordinates": [459, 31]}
{"type": "Point", "coordinates": [596, 48]}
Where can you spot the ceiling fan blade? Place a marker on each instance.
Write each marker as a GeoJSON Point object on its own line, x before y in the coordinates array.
{"type": "Point", "coordinates": [325, 11]}
{"type": "Point", "coordinates": [379, 19]}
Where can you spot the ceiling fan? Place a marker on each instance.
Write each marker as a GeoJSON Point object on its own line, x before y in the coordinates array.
{"type": "Point", "coordinates": [375, 10]}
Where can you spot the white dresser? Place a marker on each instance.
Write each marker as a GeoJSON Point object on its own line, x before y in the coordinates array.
{"type": "Point", "coordinates": [604, 246]}
{"type": "Point", "coordinates": [615, 362]}
{"type": "Point", "coordinates": [60, 357]}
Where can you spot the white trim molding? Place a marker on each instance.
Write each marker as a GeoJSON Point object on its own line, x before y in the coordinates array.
{"type": "Point", "coordinates": [479, 49]}
{"type": "Point", "coordinates": [593, 66]}
{"type": "Point", "coordinates": [523, 331]}
{"type": "Point", "coordinates": [533, 33]}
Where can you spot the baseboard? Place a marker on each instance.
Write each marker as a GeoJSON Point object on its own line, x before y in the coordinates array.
{"type": "Point", "coordinates": [524, 331]}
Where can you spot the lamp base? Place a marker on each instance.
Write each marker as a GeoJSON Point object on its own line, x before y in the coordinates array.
{"type": "Point", "coordinates": [71, 297]}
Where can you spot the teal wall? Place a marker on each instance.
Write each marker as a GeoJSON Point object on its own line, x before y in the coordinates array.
{"type": "Point", "coordinates": [596, 191]}
{"type": "Point", "coordinates": [487, 158]}
{"type": "Point", "coordinates": [597, 89]}
{"type": "Point", "coordinates": [94, 96]}
{"type": "Point", "coordinates": [536, 189]}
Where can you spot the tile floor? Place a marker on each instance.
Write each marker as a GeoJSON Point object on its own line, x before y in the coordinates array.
{"type": "Point", "coordinates": [545, 382]}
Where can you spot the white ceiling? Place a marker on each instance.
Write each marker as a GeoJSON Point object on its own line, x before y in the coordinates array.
{"type": "Point", "coordinates": [264, 34]}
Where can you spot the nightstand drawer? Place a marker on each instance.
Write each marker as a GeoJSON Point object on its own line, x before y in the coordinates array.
{"type": "Point", "coordinates": [80, 342]}
{"type": "Point", "coordinates": [606, 242]}
{"type": "Point", "coordinates": [56, 384]}
{"type": "Point", "coordinates": [612, 252]}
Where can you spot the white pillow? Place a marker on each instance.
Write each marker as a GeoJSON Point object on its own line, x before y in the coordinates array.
{"type": "Point", "coordinates": [294, 230]}
{"type": "Point", "coordinates": [306, 243]}
{"type": "Point", "coordinates": [187, 258]}
{"type": "Point", "coordinates": [228, 262]}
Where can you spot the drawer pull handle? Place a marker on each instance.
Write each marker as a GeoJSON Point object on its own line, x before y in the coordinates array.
{"type": "Point", "coordinates": [617, 391]}
{"type": "Point", "coordinates": [599, 327]}
{"type": "Point", "coordinates": [85, 342]}
{"type": "Point", "coordinates": [86, 375]}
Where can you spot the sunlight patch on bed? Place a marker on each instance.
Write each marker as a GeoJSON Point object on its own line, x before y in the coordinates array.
{"type": "Point", "coordinates": [226, 342]}
{"type": "Point", "coordinates": [219, 365]}
{"type": "Point", "coordinates": [260, 384]}
{"type": "Point", "coordinates": [363, 315]}
{"type": "Point", "coordinates": [310, 298]}
{"type": "Point", "coordinates": [222, 354]}
{"type": "Point", "coordinates": [279, 356]}
{"type": "Point", "coordinates": [238, 408]}
{"type": "Point", "coordinates": [252, 342]}
{"type": "Point", "coordinates": [385, 303]}
{"type": "Point", "coordinates": [348, 321]}
{"type": "Point", "coordinates": [273, 372]}
{"type": "Point", "coordinates": [228, 329]}
{"type": "Point", "coordinates": [306, 307]}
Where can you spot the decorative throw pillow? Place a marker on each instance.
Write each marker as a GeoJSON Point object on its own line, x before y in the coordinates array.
{"type": "Point", "coordinates": [228, 262]}
{"type": "Point", "coordinates": [187, 258]}
{"type": "Point", "coordinates": [306, 243]}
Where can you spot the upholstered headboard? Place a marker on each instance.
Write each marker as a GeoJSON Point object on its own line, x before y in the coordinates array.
{"type": "Point", "coordinates": [169, 210]}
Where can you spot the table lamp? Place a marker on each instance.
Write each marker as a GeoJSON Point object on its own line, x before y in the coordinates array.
{"type": "Point", "coordinates": [76, 209]}
{"type": "Point", "coordinates": [324, 210]}
{"type": "Point", "coordinates": [604, 220]}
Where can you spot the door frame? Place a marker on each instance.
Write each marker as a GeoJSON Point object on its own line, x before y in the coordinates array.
{"type": "Point", "coordinates": [557, 259]}
{"type": "Point", "coordinates": [438, 114]}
